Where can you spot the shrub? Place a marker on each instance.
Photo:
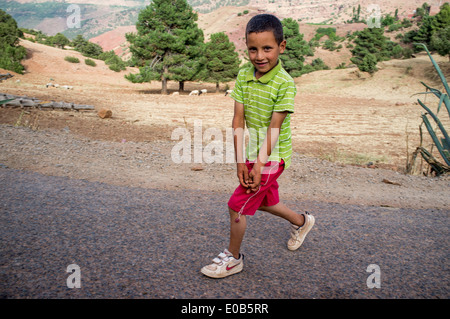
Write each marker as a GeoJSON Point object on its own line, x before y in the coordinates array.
{"type": "Point", "coordinates": [369, 64]}
{"type": "Point", "coordinates": [90, 62]}
{"type": "Point", "coordinates": [318, 64]}
{"type": "Point", "coordinates": [331, 46]}
{"type": "Point", "coordinates": [407, 53]}
{"type": "Point", "coordinates": [371, 46]}
{"type": "Point", "coordinates": [437, 132]}
{"type": "Point", "coordinates": [397, 52]}
{"type": "Point", "coordinates": [115, 67]}
{"type": "Point", "coordinates": [87, 48]}
{"type": "Point", "coordinates": [394, 27]}
{"type": "Point", "coordinates": [11, 53]}
{"type": "Point", "coordinates": [406, 23]}
{"type": "Point", "coordinates": [72, 59]}
{"type": "Point", "coordinates": [115, 63]}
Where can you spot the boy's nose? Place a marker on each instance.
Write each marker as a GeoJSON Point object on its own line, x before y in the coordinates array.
{"type": "Point", "coordinates": [260, 55]}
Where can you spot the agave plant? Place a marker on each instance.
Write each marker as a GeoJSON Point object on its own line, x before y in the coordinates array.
{"type": "Point", "coordinates": [443, 143]}
{"type": "Point", "coordinates": [5, 101]}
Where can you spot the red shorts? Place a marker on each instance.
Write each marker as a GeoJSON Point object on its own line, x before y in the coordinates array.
{"type": "Point", "coordinates": [267, 195]}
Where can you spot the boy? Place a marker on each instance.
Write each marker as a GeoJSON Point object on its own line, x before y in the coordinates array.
{"type": "Point", "coordinates": [264, 100]}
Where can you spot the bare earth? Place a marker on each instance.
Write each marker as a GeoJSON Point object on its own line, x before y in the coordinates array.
{"type": "Point", "coordinates": [341, 115]}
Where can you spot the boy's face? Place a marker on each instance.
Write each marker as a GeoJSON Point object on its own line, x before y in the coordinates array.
{"type": "Point", "coordinates": [263, 51]}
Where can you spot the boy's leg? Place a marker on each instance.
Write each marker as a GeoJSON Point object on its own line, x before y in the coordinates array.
{"type": "Point", "coordinates": [230, 261]}
{"type": "Point", "coordinates": [237, 232]}
{"type": "Point", "coordinates": [301, 224]}
{"type": "Point", "coordinates": [285, 212]}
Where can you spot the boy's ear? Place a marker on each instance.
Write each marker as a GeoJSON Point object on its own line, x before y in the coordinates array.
{"type": "Point", "coordinates": [282, 46]}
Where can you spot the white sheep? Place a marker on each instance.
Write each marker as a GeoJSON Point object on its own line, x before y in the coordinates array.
{"type": "Point", "coordinates": [228, 92]}
{"type": "Point", "coordinates": [195, 92]}
{"type": "Point", "coordinates": [176, 93]}
{"type": "Point", "coordinates": [49, 85]}
{"type": "Point", "coordinates": [204, 91]}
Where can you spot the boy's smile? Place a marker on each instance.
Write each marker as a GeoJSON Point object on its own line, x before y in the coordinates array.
{"type": "Point", "coordinates": [263, 51]}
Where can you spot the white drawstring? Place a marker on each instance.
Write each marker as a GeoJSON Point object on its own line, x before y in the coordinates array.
{"type": "Point", "coordinates": [259, 188]}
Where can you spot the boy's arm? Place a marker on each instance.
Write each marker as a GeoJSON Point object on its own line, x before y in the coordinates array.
{"type": "Point", "coordinates": [238, 133]}
{"type": "Point", "coordinates": [273, 132]}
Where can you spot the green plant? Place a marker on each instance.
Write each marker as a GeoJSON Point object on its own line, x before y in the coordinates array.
{"type": "Point", "coordinates": [296, 48]}
{"type": "Point", "coordinates": [6, 101]}
{"type": "Point", "coordinates": [90, 62]}
{"type": "Point", "coordinates": [115, 67]}
{"type": "Point", "coordinates": [222, 60]}
{"type": "Point", "coordinates": [442, 143]}
{"type": "Point", "coordinates": [72, 59]}
{"type": "Point", "coordinates": [169, 44]}
{"type": "Point", "coordinates": [371, 47]}
{"type": "Point", "coordinates": [11, 53]}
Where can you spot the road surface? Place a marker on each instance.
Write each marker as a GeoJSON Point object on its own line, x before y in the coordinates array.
{"type": "Point", "coordinates": [144, 243]}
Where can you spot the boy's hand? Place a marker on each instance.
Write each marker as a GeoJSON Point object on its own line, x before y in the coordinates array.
{"type": "Point", "coordinates": [255, 179]}
{"type": "Point", "coordinates": [242, 173]}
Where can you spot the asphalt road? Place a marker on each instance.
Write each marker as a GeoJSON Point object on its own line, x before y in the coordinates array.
{"type": "Point", "coordinates": [144, 243]}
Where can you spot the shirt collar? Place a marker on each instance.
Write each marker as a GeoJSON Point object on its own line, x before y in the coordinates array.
{"type": "Point", "coordinates": [266, 77]}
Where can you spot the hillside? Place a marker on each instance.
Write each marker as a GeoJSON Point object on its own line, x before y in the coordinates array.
{"type": "Point", "coordinates": [362, 104]}
{"type": "Point", "coordinates": [51, 17]}
{"type": "Point", "coordinates": [99, 16]}
{"type": "Point", "coordinates": [320, 11]}
{"type": "Point", "coordinates": [107, 24]}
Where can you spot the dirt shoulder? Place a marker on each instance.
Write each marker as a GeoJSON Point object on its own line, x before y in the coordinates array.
{"type": "Point", "coordinates": [149, 164]}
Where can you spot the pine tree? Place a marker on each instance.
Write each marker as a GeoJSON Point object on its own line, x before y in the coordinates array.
{"type": "Point", "coordinates": [168, 44]}
{"type": "Point", "coordinates": [440, 41]}
{"type": "Point", "coordinates": [425, 31]}
{"type": "Point", "coordinates": [296, 48]}
{"type": "Point", "coordinates": [222, 60]}
{"type": "Point", "coordinates": [86, 47]}
{"type": "Point", "coordinates": [442, 19]}
{"type": "Point", "coordinates": [431, 25]}
{"type": "Point", "coordinates": [371, 45]}
{"type": "Point", "coordinates": [422, 11]}
{"type": "Point", "coordinates": [60, 40]}
{"type": "Point", "coordinates": [10, 52]}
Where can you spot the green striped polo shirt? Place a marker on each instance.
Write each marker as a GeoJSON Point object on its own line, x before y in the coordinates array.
{"type": "Point", "coordinates": [273, 92]}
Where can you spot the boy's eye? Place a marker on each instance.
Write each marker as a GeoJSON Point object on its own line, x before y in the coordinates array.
{"type": "Point", "coordinates": [267, 48]}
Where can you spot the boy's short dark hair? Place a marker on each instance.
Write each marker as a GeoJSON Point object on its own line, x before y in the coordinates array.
{"type": "Point", "coordinates": [265, 22]}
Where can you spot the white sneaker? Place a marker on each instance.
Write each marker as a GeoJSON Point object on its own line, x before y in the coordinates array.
{"type": "Point", "coordinates": [298, 234]}
{"type": "Point", "coordinates": [224, 265]}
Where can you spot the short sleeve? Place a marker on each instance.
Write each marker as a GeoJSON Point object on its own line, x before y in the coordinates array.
{"type": "Point", "coordinates": [285, 98]}
{"type": "Point", "coordinates": [238, 94]}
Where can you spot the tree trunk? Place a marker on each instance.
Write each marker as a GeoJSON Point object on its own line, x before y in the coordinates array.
{"type": "Point", "coordinates": [181, 86]}
{"type": "Point", "coordinates": [164, 81]}
{"type": "Point", "coordinates": [217, 87]}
